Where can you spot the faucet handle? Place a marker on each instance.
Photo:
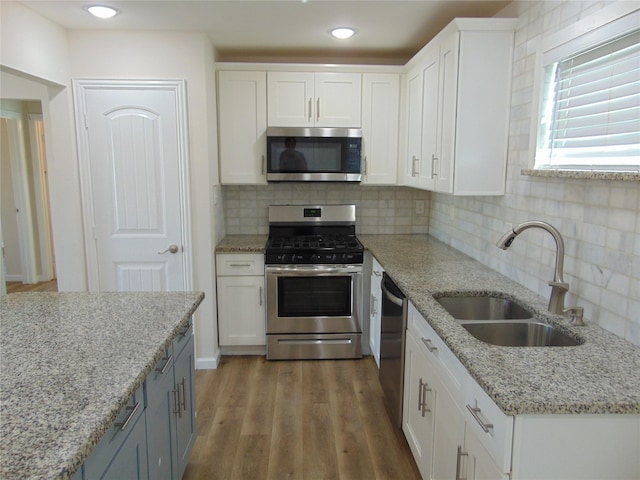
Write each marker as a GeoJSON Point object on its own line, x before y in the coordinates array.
{"type": "Point", "coordinates": [564, 286]}
{"type": "Point", "coordinates": [577, 315]}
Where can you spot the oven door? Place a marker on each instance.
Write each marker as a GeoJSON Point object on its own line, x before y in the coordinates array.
{"type": "Point", "coordinates": [313, 299]}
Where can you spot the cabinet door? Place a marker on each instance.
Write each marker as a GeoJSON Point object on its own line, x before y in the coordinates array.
{"type": "Point", "coordinates": [131, 460]}
{"type": "Point", "coordinates": [419, 405]}
{"type": "Point", "coordinates": [414, 127]}
{"type": "Point", "coordinates": [443, 167]}
{"type": "Point", "coordinates": [242, 106]}
{"type": "Point", "coordinates": [380, 105]}
{"type": "Point", "coordinates": [184, 377]}
{"type": "Point", "coordinates": [106, 454]}
{"type": "Point", "coordinates": [161, 433]}
{"type": "Point", "coordinates": [338, 100]}
{"type": "Point", "coordinates": [448, 436]}
{"type": "Point", "coordinates": [478, 463]}
{"type": "Point", "coordinates": [290, 99]}
{"type": "Point", "coordinates": [375, 310]}
{"type": "Point", "coordinates": [241, 311]}
{"type": "Point", "coordinates": [429, 146]}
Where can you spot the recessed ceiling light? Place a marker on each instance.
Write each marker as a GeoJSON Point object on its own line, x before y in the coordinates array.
{"type": "Point", "coordinates": [102, 11]}
{"type": "Point", "coordinates": [343, 32]}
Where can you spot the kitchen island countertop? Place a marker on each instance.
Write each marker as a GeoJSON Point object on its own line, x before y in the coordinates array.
{"type": "Point", "coordinates": [599, 376]}
{"type": "Point", "coordinates": [70, 362]}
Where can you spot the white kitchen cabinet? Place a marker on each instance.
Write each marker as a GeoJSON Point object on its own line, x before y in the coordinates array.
{"type": "Point", "coordinates": [422, 108]}
{"type": "Point", "coordinates": [380, 119]}
{"type": "Point", "coordinates": [472, 438]}
{"type": "Point", "coordinates": [321, 99]}
{"type": "Point", "coordinates": [458, 100]}
{"type": "Point", "coordinates": [375, 310]}
{"type": "Point", "coordinates": [241, 300]}
{"type": "Point", "coordinates": [242, 126]}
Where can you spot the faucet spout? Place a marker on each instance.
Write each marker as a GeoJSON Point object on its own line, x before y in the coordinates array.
{"type": "Point", "coordinates": [558, 286]}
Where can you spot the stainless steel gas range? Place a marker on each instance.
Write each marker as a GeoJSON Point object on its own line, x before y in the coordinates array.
{"type": "Point", "coordinates": [313, 266]}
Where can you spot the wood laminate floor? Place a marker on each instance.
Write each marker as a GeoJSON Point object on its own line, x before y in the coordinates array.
{"type": "Point", "coordinates": [15, 287]}
{"type": "Point", "coordinates": [313, 419]}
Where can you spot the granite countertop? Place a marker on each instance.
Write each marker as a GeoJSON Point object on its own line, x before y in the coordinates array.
{"type": "Point", "coordinates": [70, 362]}
{"type": "Point", "coordinates": [242, 244]}
{"type": "Point", "coordinates": [599, 376]}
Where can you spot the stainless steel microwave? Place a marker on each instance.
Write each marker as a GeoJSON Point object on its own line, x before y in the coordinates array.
{"type": "Point", "coordinates": [314, 154]}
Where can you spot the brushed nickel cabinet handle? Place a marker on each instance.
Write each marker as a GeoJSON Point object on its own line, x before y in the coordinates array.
{"type": "Point", "coordinates": [310, 105]}
{"type": "Point", "coordinates": [475, 412]}
{"type": "Point", "coordinates": [166, 365]}
{"type": "Point", "coordinates": [429, 344]}
{"type": "Point", "coordinates": [132, 410]}
{"type": "Point", "coordinates": [176, 401]}
{"type": "Point", "coordinates": [318, 109]}
{"type": "Point", "coordinates": [459, 463]}
{"type": "Point", "coordinates": [184, 394]}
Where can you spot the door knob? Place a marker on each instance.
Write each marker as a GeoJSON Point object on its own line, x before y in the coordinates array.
{"type": "Point", "coordinates": [172, 249]}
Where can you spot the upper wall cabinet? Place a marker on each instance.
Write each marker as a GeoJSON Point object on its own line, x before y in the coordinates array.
{"type": "Point", "coordinates": [303, 99]}
{"type": "Point", "coordinates": [380, 114]}
{"type": "Point", "coordinates": [242, 124]}
{"type": "Point", "coordinates": [458, 100]}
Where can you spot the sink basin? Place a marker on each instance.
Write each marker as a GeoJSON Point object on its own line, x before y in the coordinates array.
{"type": "Point", "coordinates": [483, 307]}
{"type": "Point", "coordinates": [520, 334]}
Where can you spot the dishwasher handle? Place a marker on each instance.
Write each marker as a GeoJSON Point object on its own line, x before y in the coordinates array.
{"type": "Point", "coordinates": [387, 285]}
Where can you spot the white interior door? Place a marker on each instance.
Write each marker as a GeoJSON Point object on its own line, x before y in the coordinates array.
{"type": "Point", "coordinates": [134, 162]}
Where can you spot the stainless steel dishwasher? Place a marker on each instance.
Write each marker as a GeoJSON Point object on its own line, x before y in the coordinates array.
{"type": "Point", "coordinates": [392, 333]}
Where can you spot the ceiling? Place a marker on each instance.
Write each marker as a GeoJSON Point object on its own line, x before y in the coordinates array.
{"type": "Point", "coordinates": [264, 30]}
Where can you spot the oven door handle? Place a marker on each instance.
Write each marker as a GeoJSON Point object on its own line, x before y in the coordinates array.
{"type": "Point", "coordinates": [304, 270]}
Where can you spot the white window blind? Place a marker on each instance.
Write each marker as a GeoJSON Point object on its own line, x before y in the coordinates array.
{"type": "Point", "coordinates": [591, 109]}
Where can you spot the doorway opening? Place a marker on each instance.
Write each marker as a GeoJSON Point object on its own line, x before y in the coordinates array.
{"type": "Point", "coordinates": [28, 262]}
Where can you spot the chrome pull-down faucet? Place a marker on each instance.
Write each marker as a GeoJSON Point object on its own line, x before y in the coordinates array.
{"type": "Point", "coordinates": [558, 286]}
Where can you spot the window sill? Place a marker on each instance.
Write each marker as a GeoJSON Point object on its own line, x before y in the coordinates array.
{"type": "Point", "coordinates": [583, 175]}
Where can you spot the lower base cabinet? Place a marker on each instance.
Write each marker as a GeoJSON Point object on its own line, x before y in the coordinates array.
{"type": "Point", "coordinates": [442, 443]}
{"type": "Point", "coordinates": [122, 452]}
{"type": "Point", "coordinates": [455, 431]}
{"type": "Point", "coordinates": [153, 436]}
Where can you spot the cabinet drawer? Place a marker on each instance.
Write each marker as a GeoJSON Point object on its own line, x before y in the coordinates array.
{"type": "Point", "coordinates": [493, 428]}
{"type": "Point", "coordinates": [451, 371]}
{"type": "Point", "coordinates": [115, 436]}
{"type": "Point", "coordinates": [240, 264]}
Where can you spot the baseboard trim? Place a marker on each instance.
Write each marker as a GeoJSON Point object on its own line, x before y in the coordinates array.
{"type": "Point", "coordinates": [208, 363]}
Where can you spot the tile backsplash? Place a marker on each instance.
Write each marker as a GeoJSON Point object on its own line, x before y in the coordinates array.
{"type": "Point", "coordinates": [381, 210]}
{"type": "Point", "coordinates": [598, 219]}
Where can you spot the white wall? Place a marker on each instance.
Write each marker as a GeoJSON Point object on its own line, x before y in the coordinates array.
{"type": "Point", "coordinates": [599, 219]}
{"type": "Point", "coordinates": [172, 55]}
{"type": "Point", "coordinates": [34, 65]}
{"type": "Point", "coordinates": [32, 44]}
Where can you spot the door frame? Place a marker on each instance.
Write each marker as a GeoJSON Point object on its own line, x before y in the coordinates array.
{"type": "Point", "coordinates": [18, 154]}
{"type": "Point", "coordinates": [178, 87]}
{"type": "Point", "coordinates": [41, 193]}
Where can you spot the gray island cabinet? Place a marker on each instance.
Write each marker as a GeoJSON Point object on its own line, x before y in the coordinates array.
{"type": "Point", "coordinates": [97, 385]}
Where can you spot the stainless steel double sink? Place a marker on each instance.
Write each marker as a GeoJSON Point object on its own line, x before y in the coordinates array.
{"type": "Point", "coordinates": [500, 321]}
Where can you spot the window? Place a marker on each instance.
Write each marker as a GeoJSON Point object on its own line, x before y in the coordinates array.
{"type": "Point", "coordinates": [589, 113]}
